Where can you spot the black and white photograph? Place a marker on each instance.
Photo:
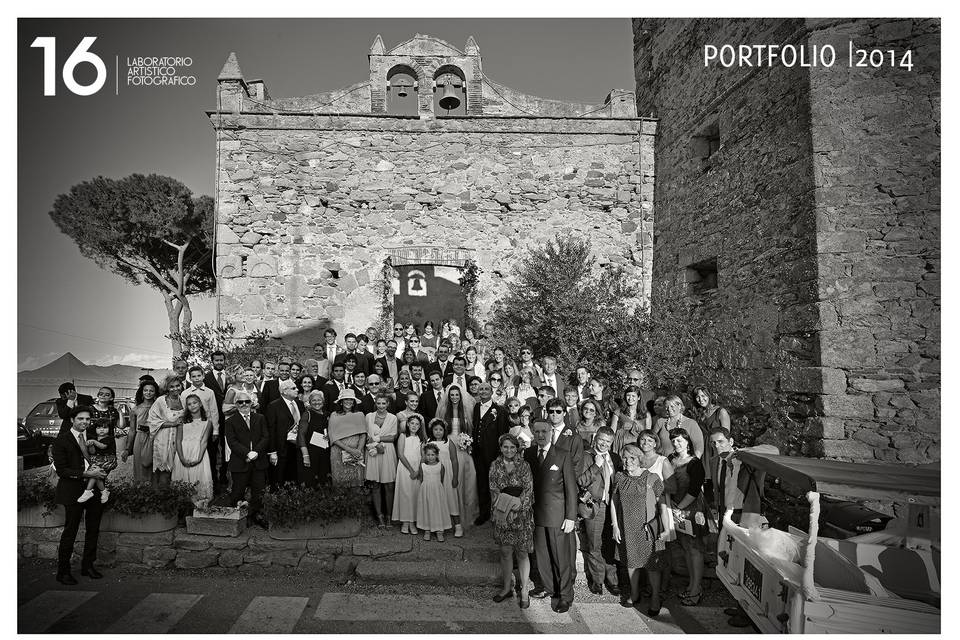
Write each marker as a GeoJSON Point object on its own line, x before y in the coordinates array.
{"type": "Point", "coordinates": [501, 325]}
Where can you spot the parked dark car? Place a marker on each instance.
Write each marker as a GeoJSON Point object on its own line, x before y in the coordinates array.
{"type": "Point", "coordinates": [32, 447]}
{"type": "Point", "coordinates": [44, 418]}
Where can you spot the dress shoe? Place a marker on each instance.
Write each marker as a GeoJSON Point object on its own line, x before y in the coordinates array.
{"type": "Point", "coordinates": [525, 604]}
{"type": "Point", "coordinates": [563, 607]}
{"type": "Point", "coordinates": [91, 572]}
{"type": "Point", "coordinates": [500, 597]}
{"type": "Point", "coordinates": [66, 578]}
{"type": "Point", "coordinates": [653, 613]}
{"type": "Point", "coordinates": [596, 589]}
{"type": "Point", "coordinates": [538, 593]}
{"type": "Point", "coordinates": [260, 521]}
{"type": "Point", "coordinates": [613, 589]}
{"type": "Point", "coordinates": [479, 521]}
{"type": "Point", "coordinates": [733, 611]}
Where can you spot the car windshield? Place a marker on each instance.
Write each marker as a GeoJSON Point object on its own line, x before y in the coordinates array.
{"type": "Point", "coordinates": [44, 410]}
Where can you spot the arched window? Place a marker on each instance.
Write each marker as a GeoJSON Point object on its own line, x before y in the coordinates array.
{"type": "Point", "coordinates": [450, 93]}
{"type": "Point", "coordinates": [402, 91]}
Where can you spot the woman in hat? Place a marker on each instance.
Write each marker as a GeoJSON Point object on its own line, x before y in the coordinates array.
{"type": "Point", "coordinates": [348, 436]}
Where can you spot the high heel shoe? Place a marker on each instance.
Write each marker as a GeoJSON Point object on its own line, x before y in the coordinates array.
{"type": "Point", "coordinates": [691, 600]}
{"type": "Point", "coordinates": [525, 604]}
{"type": "Point", "coordinates": [500, 597]}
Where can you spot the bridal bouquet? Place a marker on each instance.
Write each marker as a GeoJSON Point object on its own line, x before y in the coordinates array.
{"type": "Point", "coordinates": [465, 442]}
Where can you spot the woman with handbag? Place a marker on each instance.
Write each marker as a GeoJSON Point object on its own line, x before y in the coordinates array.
{"type": "Point", "coordinates": [139, 442]}
{"type": "Point", "coordinates": [689, 509]}
{"type": "Point", "coordinates": [640, 518]}
{"type": "Point", "coordinates": [511, 494]}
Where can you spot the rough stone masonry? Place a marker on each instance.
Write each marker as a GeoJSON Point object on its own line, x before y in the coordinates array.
{"type": "Point", "coordinates": [798, 226]}
{"type": "Point", "coordinates": [316, 192]}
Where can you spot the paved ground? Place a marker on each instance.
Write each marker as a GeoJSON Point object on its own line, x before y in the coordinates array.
{"type": "Point", "coordinates": [279, 600]}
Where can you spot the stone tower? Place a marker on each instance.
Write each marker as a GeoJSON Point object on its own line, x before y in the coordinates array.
{"type": "Point", "coordinates": [798, 216]}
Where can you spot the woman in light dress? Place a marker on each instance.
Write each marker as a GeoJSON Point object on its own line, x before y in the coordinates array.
{"type": "Point", "coordinates": [456, 409]}
{"type": "Point", "coordinates": [408, 473]}
{"type": "Point", "coordinates": [139, 442]}
{"type": "Point", "coordinates": [164, 417]}
{"type": "Point", "coordinates": [382, 458]}
{"type": "Point", "coordinates": [437, 434]}
{"type": "Point", "coordinates": [191, 464]}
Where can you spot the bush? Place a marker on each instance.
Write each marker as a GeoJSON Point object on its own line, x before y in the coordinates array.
{"type": "Point", "coordinates": [292, 505]}
{"type": "Point", "coordinates": [142, 499]}
{"type": "Point", "coordinates": [205, 338]}
{"type": "Point", "coordinates": [35, 490]}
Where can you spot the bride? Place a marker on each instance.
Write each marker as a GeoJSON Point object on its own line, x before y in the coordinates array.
{"type": "Point", "coordinates": [456, 409]}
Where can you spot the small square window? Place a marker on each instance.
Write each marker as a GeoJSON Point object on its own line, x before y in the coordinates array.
{"type": "Point", "coordinates": [707, 142]}
{"type": "Point", "coordinates": [701, 277]}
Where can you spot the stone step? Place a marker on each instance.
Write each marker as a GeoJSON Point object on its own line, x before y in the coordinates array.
{"type": "Point", "coordinates": [428, 572]}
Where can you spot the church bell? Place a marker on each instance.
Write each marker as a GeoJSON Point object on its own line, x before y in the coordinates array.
{"type": "Point", "coordinates": [449, 100]}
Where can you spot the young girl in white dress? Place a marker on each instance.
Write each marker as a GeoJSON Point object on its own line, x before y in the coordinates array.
{"type": "Point", "coordinates": [449, 460]}
{"type": "Point", "coordinates": [432, 513]}
{"type": "Point", "coordinates": [408, 474]}
{"type": "Point", "coordinates": [191, 463]}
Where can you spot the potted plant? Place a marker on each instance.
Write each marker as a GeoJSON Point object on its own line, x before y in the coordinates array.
{"type": "Point", "coordinates": [142, 508]}
{"type": "Point", "coordinates": [298, 512]}
{"type": "Point", "coordinates": [36, 502]}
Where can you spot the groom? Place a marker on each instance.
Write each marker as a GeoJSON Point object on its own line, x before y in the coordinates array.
{"type": "Point", "coordinates": [491, 423]}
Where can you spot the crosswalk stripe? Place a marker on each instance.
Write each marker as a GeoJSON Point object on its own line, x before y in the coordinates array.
{"type": "Point", "coordinates": [354, 607]}
{"type": "Point", "coordinates": [270, 614]}
{"type": "Point", "coordinates": [610, 618]}
{"type": "Point", "coordinates": [157, 613]}
{"type": "Point", "coordinates": [41, 613]}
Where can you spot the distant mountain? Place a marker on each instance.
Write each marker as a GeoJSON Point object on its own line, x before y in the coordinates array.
{"type": "Point", "coordinates": [69, 367]}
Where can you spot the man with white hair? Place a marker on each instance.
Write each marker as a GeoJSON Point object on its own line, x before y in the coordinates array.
{"type": "Point", "coordinates": [283, 418]}
{"type": "Point", "coordinates": [247, 438]}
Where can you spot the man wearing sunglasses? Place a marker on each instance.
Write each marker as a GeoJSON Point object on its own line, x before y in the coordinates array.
{"type": "Point", "coordinates": [527, 364]}
{"type": "Point", "coordinates": [248, 438]}
{"type": "Point", "coordinates": [564, 438]}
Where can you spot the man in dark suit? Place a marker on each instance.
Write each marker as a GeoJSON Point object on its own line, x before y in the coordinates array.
{"type": "Point", "coordinates": [391, 364]}
{"type": "Point", "coordinates": [443, 364]}
{"type": "Point", "coordinates": [490, 422]}
{"type": "Point", "coordinates": [248, 437]}
{"type": "Point", "coordinates": [68, 401]}
{"type": "Point", "coordinates": [71, 460]}
{"type": "Point", "coordinates": [563, 437]}
{"type": "Point", "coordinates": [271, 388]}
{"type": "Point", "coordinates": [458, 376]}
{"type": "Point", "coordinates": [218, 381]}
{"type": "Point", "coordinates": [551, 377]}
{"type": "Point", "coordinates": [283, 416]}
{"type": "Point", "coordinates": [430, 398]}
{"type": "Point", "coordinates": [596, 478]}
{"type": "Point", "coordinates": [364, 361]}
{"type": "Point", "coordinates": [367, 399]}
{"type": "Point", "coordinates": [570, 397]}
{"type": "Point", "coordinates": [554, 517]}
{"type": "Point", "coordinates": [333, 387]}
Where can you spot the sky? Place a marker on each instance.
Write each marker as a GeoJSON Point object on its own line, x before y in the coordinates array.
{"type": "Point", "coordinates": [66, 139]}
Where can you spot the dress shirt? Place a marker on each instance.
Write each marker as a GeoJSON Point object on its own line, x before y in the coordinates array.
{"type": "Point", "coordinates": [331, 352]}
{"type": "Point", "coordinates": [484, 407]}
{"type": "Point", "coordinates": [82, 441]}
{"type": "Point", "coordinates": [209, 401]}
{"type": "Point", "coordinates": [557, 430]}
{"type": "Point", "coordinates": [551, 380]}
{"type": "Point", "coordinates": [603, 461]}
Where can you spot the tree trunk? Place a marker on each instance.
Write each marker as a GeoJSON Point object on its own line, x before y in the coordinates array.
{"type": "Point", "coordinates": [173, 318]}
{"type": "Point", "coordinates": [186, 320]}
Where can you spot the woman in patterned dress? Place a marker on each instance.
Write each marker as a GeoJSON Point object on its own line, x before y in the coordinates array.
{"type": "Point", "coordinates": [635, 516]}
{"type": "Point", "coordinates": [629, 421]}
{"type": "Point", "coordinates": [139, 442]}
{"type": "Point", "coordinates": [515, 533]}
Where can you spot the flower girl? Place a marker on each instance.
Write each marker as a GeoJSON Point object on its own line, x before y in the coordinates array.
{"type": "Point", "coordinates": [408, 474]}
{"type": "Point", "coordinates": [432, 512]}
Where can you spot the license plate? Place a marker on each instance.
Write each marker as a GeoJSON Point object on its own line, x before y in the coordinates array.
{"type": "Point", "coordinates": [752, 579]}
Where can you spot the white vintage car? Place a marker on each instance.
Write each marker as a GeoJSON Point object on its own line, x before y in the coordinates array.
{"type": "Point", "coordinates": [882, 582]}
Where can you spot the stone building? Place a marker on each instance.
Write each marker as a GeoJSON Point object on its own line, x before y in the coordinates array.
{"type": "Point", "coordinates": [342, 208]}
{"type": "Point", "coordinates": [798, 211]}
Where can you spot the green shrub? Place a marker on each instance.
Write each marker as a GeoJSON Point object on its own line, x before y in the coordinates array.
{"type": "Point", "coordinates": [142, 499]}
{"type": "Point", "coordinates": [292, 505]}
{"type": "Point", "coordinates": [36, 490]}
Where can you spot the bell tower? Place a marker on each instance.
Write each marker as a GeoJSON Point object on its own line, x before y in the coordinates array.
{"type": "Point", "coordinates": [426, 76]}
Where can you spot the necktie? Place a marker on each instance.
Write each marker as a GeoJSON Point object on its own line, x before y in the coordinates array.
{"type": "Point", "coordinates": [720, 488]}
{"type": "Point", "coordinates": [220, 379]}
{"type": "Point", "coordinates": [605, 470]}
{"type": "Point", "coordinates": [295, 412]}
{"type": "Point", "coordinates": [543, 454]}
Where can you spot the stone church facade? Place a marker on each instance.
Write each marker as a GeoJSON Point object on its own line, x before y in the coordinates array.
{"type": "Point", "coordinates": [316, 194]}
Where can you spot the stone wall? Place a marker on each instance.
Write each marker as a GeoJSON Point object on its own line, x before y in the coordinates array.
{"type": "Point", "coordinates": [310, 205]}
{"type": "Point", "coordinates": [822, 332]}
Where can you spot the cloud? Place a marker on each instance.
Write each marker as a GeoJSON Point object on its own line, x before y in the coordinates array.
{"type": "Point", "coordinates": [148, 360]}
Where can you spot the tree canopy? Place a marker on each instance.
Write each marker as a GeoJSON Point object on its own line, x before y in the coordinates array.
{"type": "Point", "coordinates": [147, 229]}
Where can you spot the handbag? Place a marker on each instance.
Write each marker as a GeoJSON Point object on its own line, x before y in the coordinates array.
{"type": "Point", "coordinates": [504, 505]}
{"type": "Point", "coordinates": [586, 507]}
